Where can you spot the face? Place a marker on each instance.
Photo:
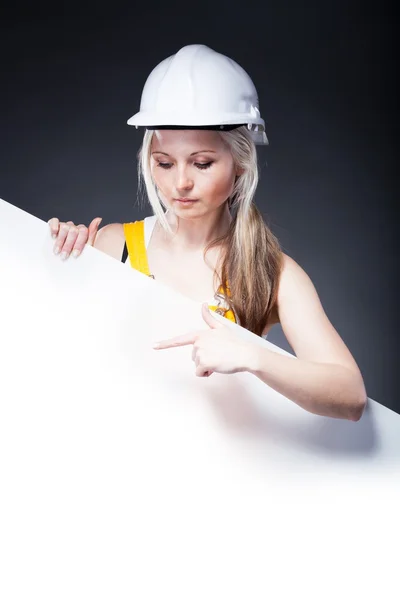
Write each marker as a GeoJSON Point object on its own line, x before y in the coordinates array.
{"type": "Point", "coordinates": [195, 165]}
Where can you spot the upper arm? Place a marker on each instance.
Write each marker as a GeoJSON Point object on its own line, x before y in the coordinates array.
{"type": "Point", "coordinates": [304, 321]}
{"type": "Point", "coordinates": [111, 239]}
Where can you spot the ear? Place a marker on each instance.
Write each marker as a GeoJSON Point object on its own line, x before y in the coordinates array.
{"type": "Point", "coordinates": [239, 172]}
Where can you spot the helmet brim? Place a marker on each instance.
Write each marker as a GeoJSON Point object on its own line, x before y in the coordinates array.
{"type": "Point", "coordinates": [223, 123]}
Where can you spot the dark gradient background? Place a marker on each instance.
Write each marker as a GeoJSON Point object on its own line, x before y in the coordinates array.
{"type": "Point", "coordinates": [325, 74]}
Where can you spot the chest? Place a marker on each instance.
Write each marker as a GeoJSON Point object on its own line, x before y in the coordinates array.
{"type": "Point", "coordinates": [187, 273]}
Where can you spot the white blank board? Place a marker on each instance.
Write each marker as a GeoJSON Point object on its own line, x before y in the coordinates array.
{"type": "Point", "coordinates": [123, 475]}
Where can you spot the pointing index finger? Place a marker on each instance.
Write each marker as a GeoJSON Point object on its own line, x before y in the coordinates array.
{"type": "Point", "coordinates": [180, 340]}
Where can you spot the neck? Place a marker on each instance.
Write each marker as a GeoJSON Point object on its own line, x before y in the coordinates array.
{"type": "Point", "coordinates": [196, 233]}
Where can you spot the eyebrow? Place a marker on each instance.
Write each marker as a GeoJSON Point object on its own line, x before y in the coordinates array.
{"type": "Point", "coordinates": [193, 153]}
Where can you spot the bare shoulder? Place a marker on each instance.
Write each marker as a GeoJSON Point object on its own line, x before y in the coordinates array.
{"type": "Point", "coordinates": [292, 278]}
{"type": "Point", "coordinates": [110, 239]}
{"type": "Point", "coordinates": [304, 321]}
{"type": "Point", "coordinates": [287, 263]}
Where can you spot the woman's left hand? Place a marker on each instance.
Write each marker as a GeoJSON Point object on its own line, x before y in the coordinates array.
{"type": "Point", "coordinates": [217, 348]}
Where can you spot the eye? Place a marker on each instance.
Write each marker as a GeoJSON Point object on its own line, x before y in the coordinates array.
{"type": "Point", "coordinates": [203, 166]}
{"type": "Point", "coordinates": [164, 165]}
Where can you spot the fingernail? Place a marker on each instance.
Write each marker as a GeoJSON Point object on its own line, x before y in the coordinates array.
{"type": "Point", "coordinates": [53, 235]}
{"type": "Point", "coordinates": [75, 253]}
{"type": "Point", "coordinates": [63, 256]}
{"type": "Point", "coordinates": [57, 250]}
{"type": "Point", "coordinates": [156, 345]}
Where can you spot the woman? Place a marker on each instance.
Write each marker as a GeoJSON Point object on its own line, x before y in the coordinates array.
{"type": "Point", "coordinates": [206, 238]}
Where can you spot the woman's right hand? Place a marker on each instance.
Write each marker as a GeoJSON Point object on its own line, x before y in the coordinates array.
{"type": "Point", "coordinates": [72, 238]}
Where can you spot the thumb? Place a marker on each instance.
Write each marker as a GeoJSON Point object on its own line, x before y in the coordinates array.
{"type": "Point", "coordinates": [209, 318]}
{"type": "Point", "coordinates": [92, 229]}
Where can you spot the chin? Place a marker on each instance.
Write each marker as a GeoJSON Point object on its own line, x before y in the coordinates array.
{"type": "Point", "coordinates": [192, 210]}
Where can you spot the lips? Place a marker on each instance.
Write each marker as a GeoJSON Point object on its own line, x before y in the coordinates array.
{"type": "Point", "coordinates": [185, 199]}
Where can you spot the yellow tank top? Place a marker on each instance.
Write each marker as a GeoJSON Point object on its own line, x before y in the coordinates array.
{"type": "Point", "coordinates": [135, 243]}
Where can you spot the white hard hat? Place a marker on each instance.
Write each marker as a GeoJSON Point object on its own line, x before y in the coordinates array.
{"type": "Point", "coordinates": [198, 88]}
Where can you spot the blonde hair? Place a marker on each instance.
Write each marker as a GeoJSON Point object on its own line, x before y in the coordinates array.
{"type": "Point", "coordinates": [251, 257]}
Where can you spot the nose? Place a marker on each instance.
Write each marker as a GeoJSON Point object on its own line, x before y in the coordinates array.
{"type": "Point", "coordinates": [183, 180]}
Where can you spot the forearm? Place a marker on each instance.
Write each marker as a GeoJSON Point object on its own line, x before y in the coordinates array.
{"type": "Point", "coordinates": [324, 389]}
